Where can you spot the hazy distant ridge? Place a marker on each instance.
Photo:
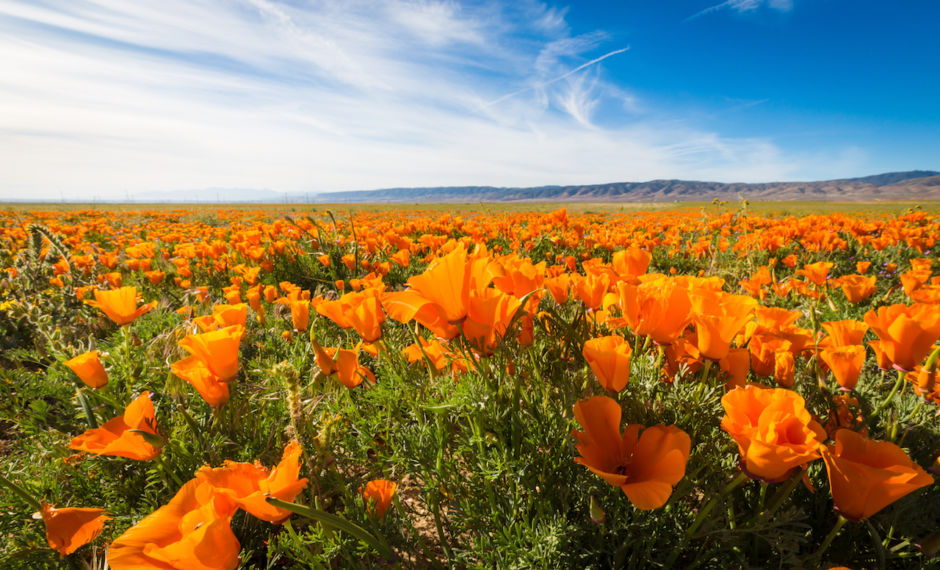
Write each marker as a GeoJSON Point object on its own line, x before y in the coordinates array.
{"type": "Point", "coordinates": [911, 185]}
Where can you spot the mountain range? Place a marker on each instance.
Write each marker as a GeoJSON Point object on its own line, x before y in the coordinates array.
{"type": "Point", "coordinates": [891, 186]}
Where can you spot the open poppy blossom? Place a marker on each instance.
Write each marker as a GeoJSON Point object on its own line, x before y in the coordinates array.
{"type": "Point", "coordinates": [439, 298]}
{"type": "Point", "coordinates": [866, 476]}
{"type": "Point", "coordinates": [718, 318]}
{"type": "Point", "coordinates": [906, 333]}
{"type": "Point", "coordinates": [89, 369]}
{"type": "Point", "coordinates": [658, 308]}
{"type": "Point", "coordinates": [218, 349]}
{"type": "Point", "coordinates": [378, 495]}
{"type": "Point", "coordinates": [70, 528]}
{"type": "Point", "coordinates": [119, 435]}
{"type": "Point", "coordinates": [488, 317]}
{"type": "Point", "coordinates": [192, 532]}
{"type": "Point", "coordinates": [361, 311]}
{"type": "Point", "coordinates": [848, 332]}
{"type": "Point", "coordinates": [846, 363]}
{"type": "Point", "coordinates": [247, 485]}
{"type": "Point", "coordinates": [631, 262]}
{"type": "Point", "coordinates": [194, 371]}
{"type": "Point", "coordinates": [644, 465]}
{"type": "Point", "coordinates": [120, 305]}
{"type": "Point", "coordinates": [774, 431]}
{"type": "Point", "coordinates": [609, 358]}
{"type": "Point", "coordinates": [817, 273]}
{"type": "Point", "coordinates": [299, 314]}
{"type": "Point", "coordinates": [857, 288]}
{"type": "Point", "coordinates": [342, 362]}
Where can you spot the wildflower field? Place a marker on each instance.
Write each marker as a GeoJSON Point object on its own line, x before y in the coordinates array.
{"type": "Point", "coordinates": [338, 388]}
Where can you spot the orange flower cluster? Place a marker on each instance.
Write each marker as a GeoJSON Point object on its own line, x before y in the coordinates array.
{"type": "Point", "coordinates": [194, 529]}
{"type": "Point", "coordinates": [644, 462]}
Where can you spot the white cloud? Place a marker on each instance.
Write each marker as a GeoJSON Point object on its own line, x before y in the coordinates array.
{"type": "Point", "coordinates": [103, 97]}
{"type": "Point", "coordinates": [744, 6]}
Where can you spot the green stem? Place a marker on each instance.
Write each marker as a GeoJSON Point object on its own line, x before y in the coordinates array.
{"type": "Point", "coordinates": [191, 423]}
{"type": "Point", "coordinates": [337, 523]}
{"type": "Point", "coordinates": [21, 493]}
{"type": "Point", "coordinates": [894, 390]}
{"type": "Point", "coordinates": [703, 514]}
{"type": "Point", "coordinates": [705, 371]}
{"type": "Point", "coordinates": [780, 496]}
{"type": "Point", "coordinates": [86, 406]}
{"type": "Point", "coordinates": [830, 537]}
{"type": "Point", "coordinates": [876, 540]}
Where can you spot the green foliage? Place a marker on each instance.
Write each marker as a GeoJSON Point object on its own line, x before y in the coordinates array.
{"type": "Point", "coordinates": [484, 459]}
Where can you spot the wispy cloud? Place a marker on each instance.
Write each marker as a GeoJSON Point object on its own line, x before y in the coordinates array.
{"type": "Point", "coordinates": [744, 6]}
{"type": "Point", "coordinates": [103, 97]}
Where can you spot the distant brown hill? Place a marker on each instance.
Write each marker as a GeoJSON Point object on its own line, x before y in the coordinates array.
{"type": "Point", "coordinates": [912, 185]}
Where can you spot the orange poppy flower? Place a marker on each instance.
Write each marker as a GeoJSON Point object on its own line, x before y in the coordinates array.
{"type": "Point", "coordinates": [764, 349]}
{"type": "Point", "coordinates": [590, 289]}
{"type": "Point", "coordinates": [69, 528]}
{"type": "Point", "coordinates": [609, 358]}
{"type": "Point", "coordinates": [558, 287]}
{"type": "Point", "coordinates": [117, 437]}
{"type": "Point", "coordinates": [439, 298]}
{"type": "Point", "coordinates": [378, 495]}
{"type": "Point", "coordinates": [192, 532]}
{"type": "Point", "coordinates": [348, 369]}
{"type": "Point", "coordinates": [658, 308]}
{"type": "Point", "coordinates": [645, 466]}
{"type": "Point", "coordinates": [488, 315]}
{"type": "Point", "coordinates": [907, 333]}
{"type": "Point", "coordinates": [300, 314]}
{"type": "Point", "coordinates": [193, 369]}
{"type": "Point", "coordinates": [736, 364]}
{"type": "Point", "coordinates": [817, 273]}
{"type": "Point", "coordinates": [88, 368]}
{"type": "Point", "coordinates": [866, 476]}
{"type": "Point", "coordinates": [857, 288]}
{"type": "Point", "coordinates": [784, 368]}
{"type": "Point", "coordinates": [845, 362]}
{"type": "Point", "coordinates": [848, 332]}
{"type": "Point", "coordinates": [924, 380]}
{"type": "Point", "coordinates": [247, 485]}
{"type": "Point", "coordinates": [438, 354]}
{"type": "Point", "coordinates": [718, 318]}
{"type": "Point", "coordinates": [120, 305]}
{"type": "Point", "coordinates": [755, 285]}
{"type": "Point", "coordinates": [229, 315]}
{"type": "Point", "coordinates": [631, 262]}
{"type": "Point", "coordinates": [217, 349]}
{"type": "Point", "coordinates": [325, 360]}
{"type": "Point", "coordinates": [155, 277]}
{"type": "Point", "coordinates": [774, 432]}
{"type": "Point", "coordinates": [361, 311]}
{"type": "Point", "coordinates": [342, 362]}
{"type": "Point", "coordinates": [401, 257]}
{"type": "Point", "coordinates": [682, 356]}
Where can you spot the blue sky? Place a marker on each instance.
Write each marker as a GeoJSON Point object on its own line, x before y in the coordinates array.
{"type": "Point", "coordinates": [111, 98]}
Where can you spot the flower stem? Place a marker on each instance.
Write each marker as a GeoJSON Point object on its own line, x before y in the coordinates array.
{"type": "Point", "coordinates": [31, 500]}
{"type": "Point", "coordinates": [703, 514]}
{"type": "Point", "coordinates": [830, 537]}
{"type": "Point", "coordinates": [876, 541]}
{"type": "Point", "coordinates": [894, 390]}
{"type": "Point", "coordinates": [780, 496]}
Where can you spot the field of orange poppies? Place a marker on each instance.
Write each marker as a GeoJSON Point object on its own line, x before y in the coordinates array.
{"type": "Point", "coordinates": [215, 388]}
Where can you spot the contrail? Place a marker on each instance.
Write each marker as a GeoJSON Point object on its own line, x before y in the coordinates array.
{"type": "Point", "coordinates": [559, 78]}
